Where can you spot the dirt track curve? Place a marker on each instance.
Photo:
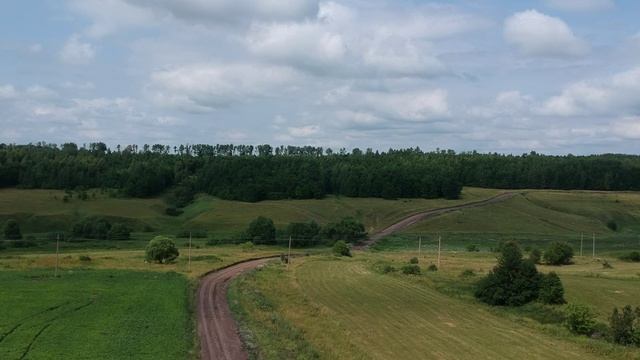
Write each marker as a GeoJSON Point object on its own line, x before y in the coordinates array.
{"type": "Point", "coordinates": [219, 338]}
{"type": "Point", "coordinates": [412, 219]}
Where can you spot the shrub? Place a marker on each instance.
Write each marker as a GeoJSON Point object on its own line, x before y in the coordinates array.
{"type": "Point", "coordinates": [551, 289]}
{"type": "Point", "coordinates": [84, 258]}
{"type": "Point", "coordinates": [606, 265]}
{"type": "Point", "coordinates": [535, 255]}
{"type": "Point", "coordinates": [388, 269]}
{"type": "Point", "coordinates": [119, 231]}
{"type": "Point", "coordinates": [12, 230]}
{"type": "Point", "coordinates": [303, 234]}
{"type": "Point", "coordinates": [633, 256]}
{"type": "Point", "coordinates": [262, 231]}
{"type": "Point", "coordinates": [92, 227]}
{"type": "Point", "coordinates": [413, 260]}
{"type": "Point", "coordinates": [247, 246]}
{"type": "Point", "coordinates": [432, 267]}
{"type": "Point", "coordinates": [612, 225]}
{"type": "Point", "coordinates": [161, 249]}
{"type": "Point", "coordinates": [513, 282]}
{"type": "Point", "coordinates": [341, 248]}
{"type": "Point", "coordinates": [473, 248]}
{"type": "Point", "coordinates": [558, 254]}
{"type": "Point", "coordinates": [411, 269]}
{"type": "Point", "coordinates": [625, 326]}
{"type": "Point", "coordinates": [347, 229]}
{"type": "Point", "coordinates": [467, 273]}
{"type": "Point", "coordinates": [579, 319]}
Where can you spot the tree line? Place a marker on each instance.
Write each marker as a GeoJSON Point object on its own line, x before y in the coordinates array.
{"type": "Point", "coordinates": [255, 173]}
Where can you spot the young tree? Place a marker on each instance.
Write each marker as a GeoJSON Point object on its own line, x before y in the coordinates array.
{"type": "Point", "coordinates": [161, 249]}
{"type": "Point", "coordinates": [12, 230]}
{"type": "Point", "coordinates": [558, 253]}
{"type": "Point", "coordinates": [625, 326]}
{"type": "Point", "coordinates": [579, 319]}
{"type": "Point", "coordinates": [551, 289]}
{"type": "Point", "coordinates": [262, 231]}
{"type": "Point", "coordinates": [341, 248]}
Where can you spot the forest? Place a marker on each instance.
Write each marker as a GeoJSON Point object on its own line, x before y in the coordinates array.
{"type": "Point", "coordinates": [255, 173]}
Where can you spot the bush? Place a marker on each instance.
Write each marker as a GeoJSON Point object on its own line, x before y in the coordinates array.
{"type": "Point", "coordinates": [84, 258]}
{"type": "Point", "coordinates": [341, 248]}
{"type": "Point", "coordinates": [413, 260]}
{"type": "Point", "coordinates": [347, 229]}
{"type": "Point", "coordinates": [473, 248]}
{"type": "Point", "coordinates": [161, 249]}
{"type": "Point", "coordinates": [513, 282]}
{"type": "Point", "coordinates": [262, 231]}
{"type": "Point", "coordinates": [92, 227]}
{"type": "Point", "coordinates": [551, 289]}
{"type": "Point", "coordinates": [579, 319]}
{"type": "Point", "coordinates": [558, 254]}
{"type": "Point", "coordinates": [388, 269]}
{"type": "Point", "coordinates": [633, 256]}
{"type": "Point", "coordinates": [467, 273]}
{"type": "Point", "coordinates": [625, 326]}
{"type": "Point", "coordinates": [432, 267]}
{"type": "Point", "coordinates": [119, 231]}
{"type": "Point", "coordinates": [535, 255]}
{"type": "Point", "coordinates": [612, 225]}
{"type": "Point", "coordinates": [303, 234]}
{"type": "Point", "coordinates": [247, 246]}
{"type": "Point", "coordinates": [411, 269]}
{"type": "Point", "coordinates": [12, 230]}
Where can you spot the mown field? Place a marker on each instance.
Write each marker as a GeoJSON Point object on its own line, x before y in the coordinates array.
{"type": "Point", "coordinates": [95, 314]}
{"type": "Point", "coordinates": [345, 308]}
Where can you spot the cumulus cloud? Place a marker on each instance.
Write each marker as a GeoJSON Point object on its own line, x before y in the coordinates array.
{"type": "Point", "coordinates": [580, 5]}
{"type": "Point", "coordinates": [303, 131]}
{"type": "Point", "coordinates": [506, 104]}
{"type": "Point", "coordinates": [76, 52]}
{"type": "Point", "coordinates": [537, 34]}
{"type": "Point", "coordinates": [205, 87]}
{"type": "Point", "coordinates": [628, 128]}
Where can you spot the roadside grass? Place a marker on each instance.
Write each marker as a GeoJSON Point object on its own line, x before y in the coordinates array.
{"type": "Point", "coordinates": [348, 308]}
{"type": "Point", "coordinates": [95, 314]}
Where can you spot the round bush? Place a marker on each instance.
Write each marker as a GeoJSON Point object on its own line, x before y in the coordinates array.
{"type": "Point", "coordinates": [579, 319]}
{"type": "Point", "coordinates": [558, 254]}
{"type": "Point", "coordinates": [262, 231]}
{"type": "Point", "coordinates": [411, 269]}
{"type": "Point", "coordinates": [413, 260]}
{"type": "Point", "coordinates": [341, 248]}
{"type": "Point", "coordinates": [161, 249]}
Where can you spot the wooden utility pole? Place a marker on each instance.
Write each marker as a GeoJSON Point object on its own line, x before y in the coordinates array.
{"type": "Point", "coordinates": [439, 246]}
{"type": "Point", "coordinates": [57, 254]}
{"type": "Point", "coordinates": [289, 256]}
{"type": "Point", "coordinates": [189, 264]}
{"type": "Point", "coordinates": [593, 254]}
{"type": "Point", "coordinates": [419, 246]}
{"type": "Point", "coordinates": [581, 240]}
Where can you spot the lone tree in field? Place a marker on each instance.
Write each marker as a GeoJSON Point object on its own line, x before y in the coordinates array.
{"type": "Point", "coordinates": [558, 254]}
{"type": "Point", "coordinates": [161, 249]}
{"type": "Point", "coordinates": [262, 231]}
{"type": "Point", "coordinates": [513, 282]}
{"type": "Point", "coordinates": [12, 230]}
{"type": "Point", "coordinates": [551, 289]}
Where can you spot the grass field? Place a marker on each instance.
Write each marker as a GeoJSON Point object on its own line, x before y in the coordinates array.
{"type": "Point", "coordinates": [95, 314]}
{"type": "Point", "coordinates": [344, 308]}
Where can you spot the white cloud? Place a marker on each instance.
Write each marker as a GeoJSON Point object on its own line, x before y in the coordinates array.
{"type": "Point", "coordinates": [205, 87]}
{"type": "Point", "coordinates": [35, 48]}
{"type": "Point", "coordinates": [506, 104]}
{"type": "Point", "coordinates": [76, 52]}
{"type": "Point", "coordinates": [580, 5]}
{"type": "Point", "coordinates": [627, 128]}
{"type": "Point", "coordinates": [7, 92]}
{"type": "Point", "coordinates": [303, 131]}
{"type": "Point", "coordinates": [537, 34]}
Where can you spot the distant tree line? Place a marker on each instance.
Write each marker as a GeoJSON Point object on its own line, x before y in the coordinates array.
{"type": "Point", "coordinates": [248, 173]}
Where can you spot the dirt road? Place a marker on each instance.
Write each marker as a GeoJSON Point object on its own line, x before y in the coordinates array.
{"type": "Point", "coordinates": [219, 338]}
{"type": "Point", "coordinates": [412, 219]}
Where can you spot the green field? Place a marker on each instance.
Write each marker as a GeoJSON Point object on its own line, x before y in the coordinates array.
{"type": "Point", "coordinates": [95, 314]}
{"type": "Point", "coordinates": [343, 308]}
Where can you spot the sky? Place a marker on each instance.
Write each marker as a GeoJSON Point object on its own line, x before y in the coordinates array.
{"type": "Point", "coordinates": [552, 76]}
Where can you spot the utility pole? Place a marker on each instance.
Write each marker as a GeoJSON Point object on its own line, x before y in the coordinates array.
{"type": "Point", "coordinates": [57, 254]}
{"type": "Point", "coordinates": [419, 246]}
{"type": "Point", "coordinates": [581, 240]}
{"type": "Point", "coordinates": [594, 246]}
{"type": "Point", "coordinates": [289, 256]}
{"type": "Point", "coordinates": [189, 264]}
{"type": "Point", "coordinates": [439, 246]}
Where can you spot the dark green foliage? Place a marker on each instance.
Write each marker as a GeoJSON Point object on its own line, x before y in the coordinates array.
{"type": "Point", "coordinates": [513, 282]}
{"type": "Point", "coordinates": [303, 234]}
{"type": "Point", "coordinates": [551, 289]}
{"type": "Point", "coordinates": [119, 231]}
{"type": "Point", "coordinates": [633, 256]}
{"type": "Point", "coordinates": [341, 248]}
{"type": "Point", "coordinates": [413, 260]}
{"type": "Point", "coordinates": [625, 326]}
{"type": "Point", "coordinates": [161, 249]}
{"type": "Point", "coordinates": [432, 267]}
{"type": "Point", "coordinates": [558, 253]}
{"type": "Point", "coordinates": [27, 243]}
{"type": "Point", "coordinates": [195, 234]}
{"type": "Point", "coordinates": [262, 231]}
{"type": "Point", "coordinates": [93, 227]}
{"type": "Point", "coordinates": [612, 225]}
{"type": "Point", "coordinates": [411, 269]}
{"type": "Point", "coordinates": [579, 319]}
{"type": "Point", "coordinates": [182, 195]}
{"type": "Point", "coordinates": [535, 255]}
{"type": "Point", "coordinates": [388, 269]}
{"type": "Point", "coordinates": [347, 229]}
{"type": "Point", "coordinates": [173, 211]}
{"type": "Point", "coordinates": [473, 248]}
{"type": "Point", "coordinates": [467, 273]}
{"type": "Point", "coordinates": [84, 258]}
{"type": "Point", "coordinates": [12, 230]}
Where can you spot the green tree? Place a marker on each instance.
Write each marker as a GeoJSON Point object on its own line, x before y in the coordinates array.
{"type": "Point", "coordinates": [12, 230]}
{"type": "Point", "coordinates": [119, 231]}
{"type": "Point", "coordinates": [625, 327]}
{"type": "Point", "coordinates": [513, 282]}
{"type": "Point", "coordinates": [303, 234]}
{"type": "Point", "coordinates": [341, 248]}
{"type": "Point", "coordinates": [551, 289]}
{"type": "Point", "coordinates": [579, 319]}
{"type": "Point", "coordinates": [262, 231]}
{"type": "Point", "coordinates": [347, 229]}
{"type": "Point", "coordinates": [161, 249]}
{"type": "Point", "coordinates": [558, 253]}
{"type": "Point", "coordinates": [535, 255]}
